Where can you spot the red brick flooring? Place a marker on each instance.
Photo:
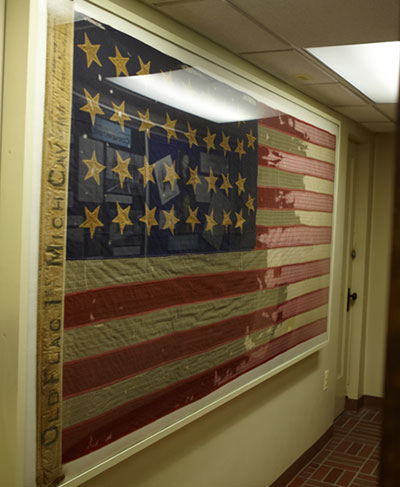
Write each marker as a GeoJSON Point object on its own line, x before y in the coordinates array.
{"type": "Point", "coordinates": [350, 458]}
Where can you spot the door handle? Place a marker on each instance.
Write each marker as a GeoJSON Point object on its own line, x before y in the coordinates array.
{"type": "Point", "coordinates": [350, 297]}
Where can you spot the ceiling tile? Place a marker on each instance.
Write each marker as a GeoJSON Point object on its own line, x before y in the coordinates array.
{"type": "Point", "coordinates": [289, 65]}
{"type": "Point", "coordinates": [332, 94]}
{"type": "Point", "coordinates": [366, 113]}
{"type": "Point", "coordinates": [380, 127]}
{"type": "Point", "coordinates": [312, 23]}
{"type": "Point", "coordinates": [221, 23]}
{"type": "Point", "coordinates": [389, 109]}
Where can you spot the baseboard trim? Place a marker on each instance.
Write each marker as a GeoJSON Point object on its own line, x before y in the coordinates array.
{"type": "Point", "coordinates": [302, 461]}
{"type": "Point", "coordinates": [364, 401]}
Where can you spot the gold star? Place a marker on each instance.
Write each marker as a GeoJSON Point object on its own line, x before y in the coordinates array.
{"type": "Point", "coordinates": [250, 203]}
{"type": "Point", "coordinates": [92, 106]}
{"type": "Point", "coordinates": [123, 217]}
{"type": "Point", "coordinates": [194, 179]}
{"type": "Point", "coordinates": [192, 218]}
{"type": "Point", "coordinates": [92, 220]}
{"type": "Point", "coordinates": [239, 220]}
{"type": "Point", "coordinates": [119, 62]}
{"type": "Point", "coordinates": [149, 218]}
{"type": "Point", "coordinates": [240, 149]}
{"type": "Point", "coordinates": [227, 220]}
{"type": "Point", "coordinates": [250, 139]}
{"type": "Point", "coordinates": [147, 172]}
{"type": "Point", "coordinates": [191, 135]}
{"type": "Point", "coordinates": [119, 116]}
{"type": "Point", "coordinates": [146, 124]}
{"type": "Point", "coordinates": [122, 168]}
{"type": "Point", "coordinates": [211, 179]}
{"type": "Point", "coordinates": [240, 183]}
{"type": "Point", "coordinates": [209, 140]}
{"type": "Point", "coordinates": [169, 127]}
{"type": "Point", "coordinates": [210, 224]}
{"type": "Point", "coordinates": [167, 75]}
{"type": "Point", "coordinates": [170, 175]}
{"type": "Point", "coordinates": [225, 143]}
{"type": "Point", "coordinates": [226, 183]}
{"type": "Point", "coordinates": [94, 168]}
{"type": "Point", "coordinates": [170, 220]}
{"type": "Point", "coordinates": [90, 50]}
{"type": "Point", "coordinates": [144, 68]}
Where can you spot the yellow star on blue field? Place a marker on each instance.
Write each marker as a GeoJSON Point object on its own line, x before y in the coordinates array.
{"type": "Point", "coordinates": [250, 139]}
{"type": "Point", "coordinates": [90, 50]}
{"type": "Point", "coordinates": [226, 183]}
{"type": "Point", "coordinates": [119, 62]}
{"type": "Point", "coordinates": [147, 172]}
{"type": "Point", "coordinates": [92, 220]}
{"type": "Point", "coordinates": [211, 180]}
{"type": "Point", "coordinates": [94, 168]}
{"type": "Point", "coordinates": [119, 114]}
{"type": "Point", "coordinates": [191, 135]}
{"type": "Point", "coordinates": [239, 220]}
{"type": "Point", "coordinates": [92, 106]}
{"type": "Point", "coordinates": [169, 127]}
{"type": "Point", "coordinates": [146, 124]}
{"type": "Point", "coordinates": [209, 140]}
{"type": "Point", "coordinates": [144, 67]}
{"type": "Point", "coordinates": [149, 218]}
{"type": "Point", "coordinates": [170, 175]}
{"type": "Point", "coordinates": [250, 203]}
{"type": "Point", "coordinates": [122, 217]}
{"type": "Point", "coordinates": [239, 148]}
{"type": "Point", "coordinates": [192, 218]}
{"type": "Point", "coordinates": [122, 168]}
{"type": "Point", "coordinates": [194, 179]}
{"type": "Point", "coordinates": [226, 221]}
{"type": "Point", "coordinates": [210, 222]}
{"type": "Point", "coordinates": [240, 184]}
{"type": "Point", "coordinates": [225, 143]}
{"type": "Point", "coordinates": [170, 220]}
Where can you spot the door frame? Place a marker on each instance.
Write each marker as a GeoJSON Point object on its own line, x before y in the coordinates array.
{"type": "Point", "coordinates": [356, 234]}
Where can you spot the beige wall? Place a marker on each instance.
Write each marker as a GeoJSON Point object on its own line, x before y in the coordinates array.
{"type": "Point", "coordinates": [249, 441]}
{"type": "Point", "coordinates": [380, 248]}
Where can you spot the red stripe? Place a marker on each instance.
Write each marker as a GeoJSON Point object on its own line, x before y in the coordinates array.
{"type": "Point", "coordinates": [293, 199]}
{"type": "Point", "coordinates": [293, 163]}
{"type": "Point", "coordinates": [108, 303]}
{"type": "Point", "coordinates": [320, 136]}
{"type": "Point", "coordinates": [302, 130]}
{"type": "Point", "coordinates": [104, 369]}
{"type": "Point", "coordinates": [293, 236]}
{"type": "Point", "coordinates": [112, 302]}
{"type": "Point", "coordinates": [289, 274]}
{"type": "Point", "coordinates": [83, 438]}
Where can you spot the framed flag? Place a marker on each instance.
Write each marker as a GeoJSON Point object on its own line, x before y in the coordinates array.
{"type": "Point", "coordinates": [186, 235]}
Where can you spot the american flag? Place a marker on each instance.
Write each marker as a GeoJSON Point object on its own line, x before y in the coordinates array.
{"type": "Point", "coordinates": [197, 249]}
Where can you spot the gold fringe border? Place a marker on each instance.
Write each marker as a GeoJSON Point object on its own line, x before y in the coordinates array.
{"type": "Point", "coordinates": [53, 214]}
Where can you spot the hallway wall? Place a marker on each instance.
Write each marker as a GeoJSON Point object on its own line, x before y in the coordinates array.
{"type": "Point", "coordinates": [379, 264]}
{"type": "Point", "coordinates": [250, 440]}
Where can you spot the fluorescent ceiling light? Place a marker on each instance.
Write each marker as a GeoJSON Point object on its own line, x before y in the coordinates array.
{"type": "Point", "coordinates": [371, 68]}
{"type": "Point", "coordinates": [189, 90]}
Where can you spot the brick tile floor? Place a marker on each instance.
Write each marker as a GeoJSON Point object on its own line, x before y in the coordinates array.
{"type": "Point", "coordinates": [351, 456]}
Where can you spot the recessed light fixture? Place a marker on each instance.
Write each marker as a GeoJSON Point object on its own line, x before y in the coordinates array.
{"type": "Point", "coordinates": [371, 68]}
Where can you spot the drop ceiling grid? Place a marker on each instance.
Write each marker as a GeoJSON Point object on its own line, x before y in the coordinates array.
{"type": "Point", "coordinates": [223, 24]}
{"type": "Point", "coordinates": [235, 24]}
